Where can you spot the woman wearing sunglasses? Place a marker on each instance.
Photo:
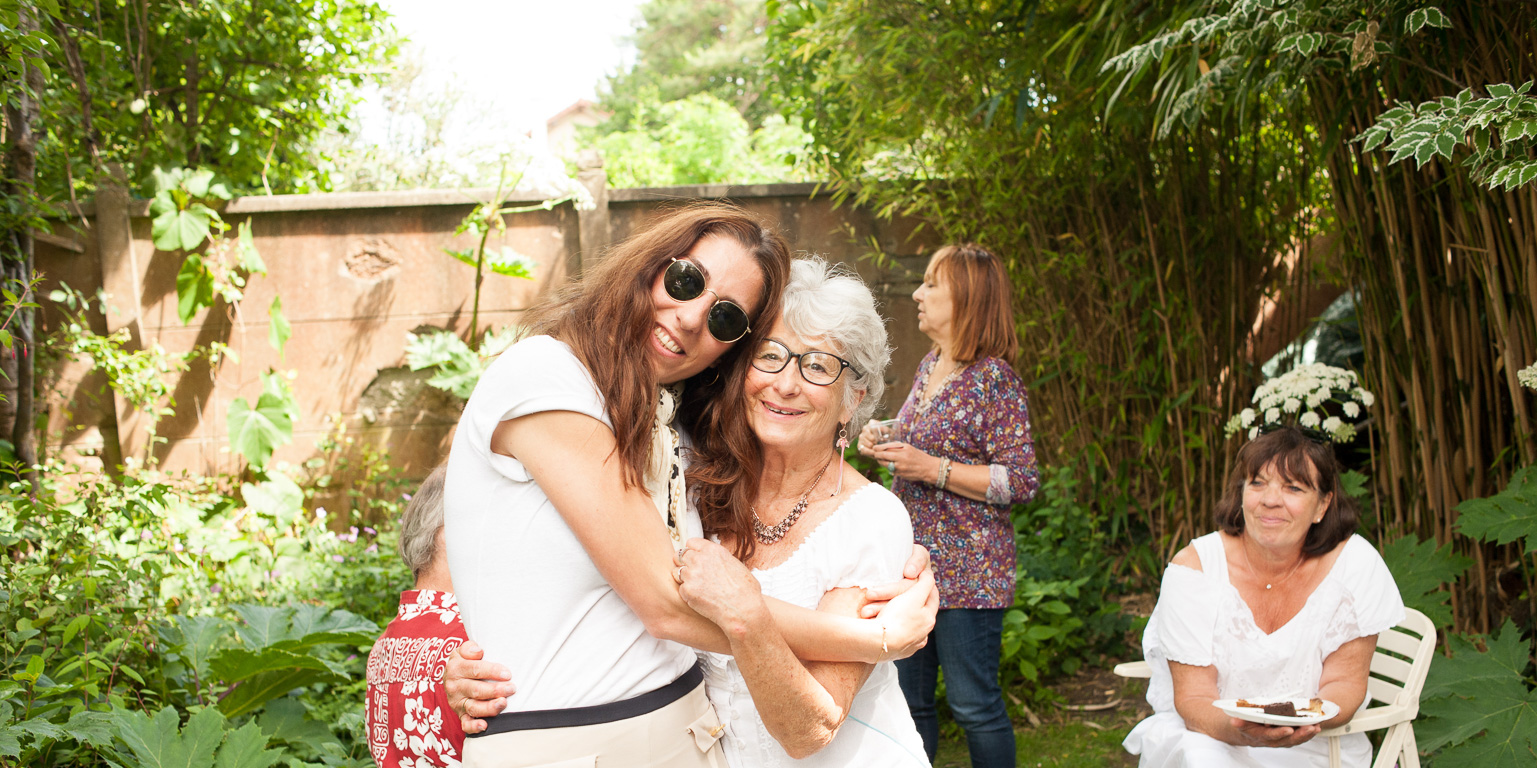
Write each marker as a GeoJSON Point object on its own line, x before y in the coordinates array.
{"type": "Point", "coordinates": [565, 503]}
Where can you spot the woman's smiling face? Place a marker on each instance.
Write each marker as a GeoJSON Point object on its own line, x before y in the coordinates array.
{"type": "Point", "coordinates": [680, 344]}
{"type": "Point", "coordinates": [786, 411]}
{"type": "Point", "coordinates": [1279, 511]}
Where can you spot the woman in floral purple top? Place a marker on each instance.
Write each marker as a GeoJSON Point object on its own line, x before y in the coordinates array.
{"type": "Point", "coordinates": [962, 455]}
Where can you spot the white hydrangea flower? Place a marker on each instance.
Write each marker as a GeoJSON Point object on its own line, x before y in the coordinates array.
{"type": "Point", "coordinates": [1246, 417]}
{"type": "Point", "coordinates": [1273, 416]}
{"type": "Point", "coordinates": [1332, 425]}
{"type": "Point", "coordinates": [1309, 419]}
{"type": "Point", "coordinates": [1365, 397]}
{"type": "Point", "coordinates": [1351, 409]}
{"type": "Point", "coordinates": [1292, 405]}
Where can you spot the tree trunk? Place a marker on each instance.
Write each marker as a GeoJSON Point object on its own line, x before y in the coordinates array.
{"type": "Point", "coordinates": [21, 117]}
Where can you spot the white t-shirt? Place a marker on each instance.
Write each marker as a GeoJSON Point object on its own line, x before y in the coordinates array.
{"type": "Point", "coordinates": [1201, 620]}
{"type": "Point", "coordinates": [529, 593]}
{"type": "Point", "coordinates": [863, 543]}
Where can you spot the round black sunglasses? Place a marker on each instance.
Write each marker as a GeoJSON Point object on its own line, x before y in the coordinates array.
{"type": "Point", "coordinates": [685, 281]}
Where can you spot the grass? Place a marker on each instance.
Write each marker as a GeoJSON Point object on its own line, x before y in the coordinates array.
{"type": "Point", "coordinates": [1069, 744]}
{"type": "Point", "coordinates": [1065, 738]}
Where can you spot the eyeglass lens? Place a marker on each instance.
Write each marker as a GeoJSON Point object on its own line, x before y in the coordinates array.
{"type": "Point", "coordinates": [821, 368]}
{"type": "Point", "coordinates": [683, 280]}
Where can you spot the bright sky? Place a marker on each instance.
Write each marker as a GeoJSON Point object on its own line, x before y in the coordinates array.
{"type": "Point", "coordinates": [524, 60]}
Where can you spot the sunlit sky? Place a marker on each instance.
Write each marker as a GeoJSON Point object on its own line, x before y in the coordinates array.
{"type": "Point", "coordinates": [524, 60]}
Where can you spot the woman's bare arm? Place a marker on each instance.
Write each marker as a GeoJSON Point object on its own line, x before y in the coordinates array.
{"type": "Point", "coordinates": [572, 457]}
{"type": "Point", "coordinates": [1195, 688]}
{"type": "Point", "coordinates": [802, 705]}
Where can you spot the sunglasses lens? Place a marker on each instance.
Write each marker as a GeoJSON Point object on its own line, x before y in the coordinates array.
{"type": "Point", "coordinates": [727, 322]}
{"type": "Point", "coordinates": [684, 281]}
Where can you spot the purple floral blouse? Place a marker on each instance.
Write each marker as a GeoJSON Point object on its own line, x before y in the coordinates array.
{"type": "Point", "coordinates": [981, 416]}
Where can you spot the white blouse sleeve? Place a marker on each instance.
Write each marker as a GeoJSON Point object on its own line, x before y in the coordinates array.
{"type": "Point", "coordinates": [1371, 602]}
{"type": "Point", "coordinates": [877, 538]}
{"type": "Point", "coordinates": [1184, 621]}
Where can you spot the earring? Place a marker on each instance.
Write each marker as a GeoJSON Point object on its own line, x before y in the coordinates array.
{"type": "Point", "coordinates": [843, 435]}
{"type": "Point", "coordinates": [715, 370]}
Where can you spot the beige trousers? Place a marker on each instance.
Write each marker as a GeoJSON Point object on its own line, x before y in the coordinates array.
{"type": "Point", "coordinates": [685, 734]}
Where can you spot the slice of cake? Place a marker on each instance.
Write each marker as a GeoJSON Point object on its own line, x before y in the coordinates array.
{"type": "Point", "coordinates": [1283, 708]}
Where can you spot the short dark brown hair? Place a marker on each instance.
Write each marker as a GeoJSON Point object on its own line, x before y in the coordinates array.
{"type": "Point", "coordinates": [1300, 459]}
{"type": "Point", "coordinates": [983, 308]}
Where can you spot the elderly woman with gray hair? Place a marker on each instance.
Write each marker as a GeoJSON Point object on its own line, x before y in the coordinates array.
{"type": "Point", "coordinates": [821, 533]}
{"type": "Point", "coordinates": [407, 714]}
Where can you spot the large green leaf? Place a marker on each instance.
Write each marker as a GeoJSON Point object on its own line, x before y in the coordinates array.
{"type": "Point", "coordinates": [246, 747]}
{"type": "Point", "coordinates": [277, 497]}
{"type": "Point", "coordinates": [1420, 568]}
{"type": "Point", "coordinates": [264, 625]}
{"type": "Point", "coordinates": [194, 288]}
{"type": "Point", "coordinates": [236, 665]}
{"type": "Point", "coordinates": [158, 744]}
{"type": "Point", "coordinates": [181, 230]}
{"type": "Point", "coordinates": [286, 719]}
{"type": "Point", "coordinates": [255, 432]}
{"type": "Point", "coordinates": [195, 639]}
{"type": "Point", "coordinates": [256, 691]}
{"type": "Point", "coordinates": [1476, 707]}
{"type": "Point", "coordinates": [1506, 516]}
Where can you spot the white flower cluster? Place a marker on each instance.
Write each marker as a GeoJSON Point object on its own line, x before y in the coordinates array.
{"type": "Point", "coordinates": [1299, 396]}
{"type": "Point", "coordinates": [1528, 376]}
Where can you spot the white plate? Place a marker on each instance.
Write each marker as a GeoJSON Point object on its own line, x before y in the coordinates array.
{"type": "Point", "coordinates": [1257, 715]}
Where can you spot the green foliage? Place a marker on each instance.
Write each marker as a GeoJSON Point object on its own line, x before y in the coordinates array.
{"type": "Point", "coordinates": [1062, 616]}
{"type": "Point", "coordinates": [1421, 569]}
{"type": "Point", "coordinates": [1478, 707]}
{"type": "Point", "coordinates": [255, 432]}
{"type": "Point", "coordinates": [159, 743]}
{"type": "Point", "coordinates": [1506, 516]}
{"type": "Point", "coordinates": [701, 140]}
{"type": "Point", "coordinates": [134, 594]}
{"type": "Point", "coordinates": [167, 84]}
{"type": "Point", "coordinates": [1500, 129]}
{"type": "Point", "coordinates": [684, 48]}
{"type": "Point", "coordinates": [456, 367]}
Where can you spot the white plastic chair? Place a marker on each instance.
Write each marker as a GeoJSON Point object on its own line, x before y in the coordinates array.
{"type": "Point", "coordinates": [1397, 678]}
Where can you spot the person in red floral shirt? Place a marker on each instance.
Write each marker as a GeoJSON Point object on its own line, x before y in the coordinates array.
{"type": "Point", "coordinates": [407, 715]}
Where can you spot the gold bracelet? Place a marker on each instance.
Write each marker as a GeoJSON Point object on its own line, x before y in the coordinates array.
{"type": "Point", "coordinates": [944, 474]}
{"type": "Point", "coordinates": [884, 649]}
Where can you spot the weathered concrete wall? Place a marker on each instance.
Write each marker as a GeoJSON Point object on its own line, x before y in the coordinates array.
{"type": "Point", "coordinates": [355, 273]}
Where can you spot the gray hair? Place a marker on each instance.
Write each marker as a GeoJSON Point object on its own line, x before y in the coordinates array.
{"type": "Point", "coordinates": [422, 520]}
{"type": "Point", "coordinates": [830, 301]}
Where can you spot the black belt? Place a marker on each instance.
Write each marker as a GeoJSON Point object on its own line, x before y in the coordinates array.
{"type": "Point", "coordinates": [645, 703]}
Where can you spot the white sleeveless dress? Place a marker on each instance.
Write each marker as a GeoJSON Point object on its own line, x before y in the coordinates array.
{"type": "Point", "coordinates": [1201, 620]}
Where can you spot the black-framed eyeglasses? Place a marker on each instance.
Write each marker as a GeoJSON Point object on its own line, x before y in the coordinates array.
{"type": "Point", "coordinates": [817, 367]}
{"type": "Point", "coordinates": [685, 281]}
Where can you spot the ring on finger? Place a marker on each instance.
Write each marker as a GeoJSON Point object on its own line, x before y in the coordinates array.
{"type": "Point", "coordinates": [677, 574]}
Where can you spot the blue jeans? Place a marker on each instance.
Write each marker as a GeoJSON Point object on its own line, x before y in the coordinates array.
{"type": "Point", "coordinates": [967, 642]}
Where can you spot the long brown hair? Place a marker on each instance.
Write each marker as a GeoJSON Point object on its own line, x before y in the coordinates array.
{"type": "Point", "coordinates": [609, 314]}
{"type": "Point", "coordinates": [982, 308]}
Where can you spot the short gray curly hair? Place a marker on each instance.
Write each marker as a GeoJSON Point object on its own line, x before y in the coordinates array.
{"type": "Point", "coordinates": [830, 301]}
{"type": "Point", "coordinates": [420, 523]}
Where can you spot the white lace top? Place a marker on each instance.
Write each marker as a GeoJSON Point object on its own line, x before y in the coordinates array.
{"type": "Point", "coordinates": [1201, 620]}
{"type": "Point", "coordinates": [863, 543]}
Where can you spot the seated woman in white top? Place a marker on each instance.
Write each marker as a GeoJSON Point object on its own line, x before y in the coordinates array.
{"type": "Point", "coordinates": [565, 504]}
{"type": "Point", "coordinates": [812, 530]}
{"type": "Point", "coordinates": [1283, 601]}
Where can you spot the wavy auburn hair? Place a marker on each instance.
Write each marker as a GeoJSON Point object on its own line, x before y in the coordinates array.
{"type": "Point", "coordinates": [981, 295]}
{"type": "Point", "coordinates": [608, 315]}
